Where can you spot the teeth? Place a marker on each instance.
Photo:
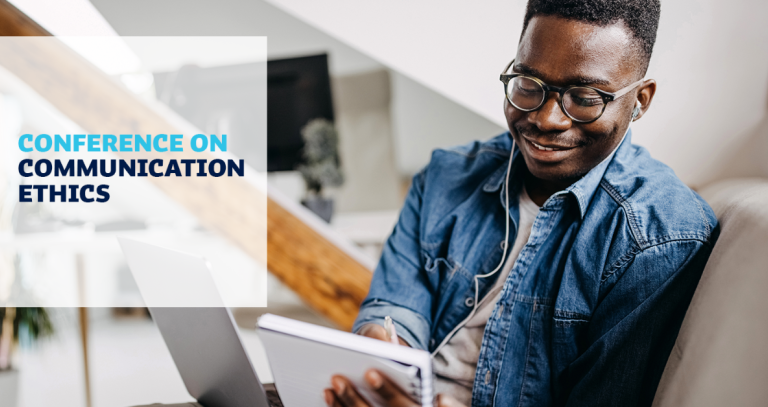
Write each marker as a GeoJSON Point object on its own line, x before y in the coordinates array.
{"type": "Point", "coordinates": [540, 147]}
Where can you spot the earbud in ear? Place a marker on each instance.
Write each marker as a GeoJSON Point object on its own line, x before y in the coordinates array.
{"type": "Point", "coordinates": [636, 111]}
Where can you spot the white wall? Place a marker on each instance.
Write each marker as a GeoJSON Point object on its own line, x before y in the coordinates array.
{"type": "Point", "coordinates": [287, 35]}
{"type": "Point", "coordinates": [711, 63]}
{"type": "Point", "coordinates": [458, 49]}
{"type": "Point", "coordinates": [421, 119]}
{"type": "Point", "coordinates": [442, 52]}
{"type": "Point", "coordinates": [364, 128]}
{"type": "Point", "coordinates": [366, 148]}
{"type": "Point", "coordinates": [424, 120]}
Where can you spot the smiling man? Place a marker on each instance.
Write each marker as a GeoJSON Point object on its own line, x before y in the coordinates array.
{"type": "Point", "coordinates": [553, 264]}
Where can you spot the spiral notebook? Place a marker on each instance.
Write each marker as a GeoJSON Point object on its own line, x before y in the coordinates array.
{"type": "Point", "coordinates": [304, 357]}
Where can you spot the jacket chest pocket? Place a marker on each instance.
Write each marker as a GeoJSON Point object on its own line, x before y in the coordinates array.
{"type": "Point", "coordinates": [535, 390]}
{"type": "Point", "coordinates": [568, 332]}
{"type": "Point", "coordinates": [439, 265]}
{"type": "Point", "coordinates": [453, 290]}
{"type": "Point", "coordinates": [439, 271]}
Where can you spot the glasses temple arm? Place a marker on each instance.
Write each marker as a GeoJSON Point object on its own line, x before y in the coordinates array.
{"type": "Point", "coordinates": [507, 68]}
{"type": "Point", "coordinates": [626, 90]}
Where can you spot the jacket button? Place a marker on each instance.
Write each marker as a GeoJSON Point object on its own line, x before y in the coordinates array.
{"type": "Point", "coordinates": [469, 302]}
{"type": "Point", "coordinates": [503, 244]}
{"type": "Point", "coordinates": [432, 342]}
{"type": "Point", "coordinates": [487, 377]}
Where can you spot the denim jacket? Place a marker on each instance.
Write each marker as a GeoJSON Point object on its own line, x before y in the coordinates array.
{"type": "Point", "coordinates": [592, 306]}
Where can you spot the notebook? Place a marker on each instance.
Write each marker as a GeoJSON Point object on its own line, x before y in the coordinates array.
{"type": "Point", "coordinates": [304, 357]}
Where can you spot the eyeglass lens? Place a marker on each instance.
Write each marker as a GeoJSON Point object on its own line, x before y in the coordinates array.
{"type": "Point", "coordinates": [583, 104]}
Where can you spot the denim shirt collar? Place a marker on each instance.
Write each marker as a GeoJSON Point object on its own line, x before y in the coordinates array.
{"type": "Point", "coordinates": [583, 190]}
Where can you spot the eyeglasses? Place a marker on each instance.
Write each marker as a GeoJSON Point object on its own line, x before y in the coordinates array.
{"type": "Point", "coordinates": [583, 104]}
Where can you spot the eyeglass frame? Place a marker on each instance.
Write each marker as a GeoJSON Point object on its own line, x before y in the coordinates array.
{"type": "Point", "coordinates": [505, 78]}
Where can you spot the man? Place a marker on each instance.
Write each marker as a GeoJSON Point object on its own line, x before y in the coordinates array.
{"type": "Point", "coordinates": [582, 303]}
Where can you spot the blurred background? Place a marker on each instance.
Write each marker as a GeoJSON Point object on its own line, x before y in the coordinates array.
{"type": "Point", "coordinates": [384, 84]}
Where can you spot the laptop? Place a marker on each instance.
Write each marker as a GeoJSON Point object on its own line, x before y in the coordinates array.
{"type": "Point", "coordinates": [203, 341]}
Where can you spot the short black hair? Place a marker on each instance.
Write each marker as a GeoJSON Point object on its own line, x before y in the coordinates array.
{"type": "Point", "coordinates": [640, 16]}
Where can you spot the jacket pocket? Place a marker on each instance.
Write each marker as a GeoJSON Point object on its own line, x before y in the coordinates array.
{"type": "Point", "coordinates": [569, 330]}
{"type": "Point", "coordinates": [449, 291]}
{"type": "Point", "coordinates": [445, 268]}
{"type": "Point", "coordinates": [536, 375]}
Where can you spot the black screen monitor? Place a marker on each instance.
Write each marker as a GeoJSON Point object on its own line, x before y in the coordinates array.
{"type": "Point", "coordinates": [299, 90]}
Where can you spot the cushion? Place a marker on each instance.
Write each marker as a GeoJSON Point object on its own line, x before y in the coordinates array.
{"type": "Point", "coordinates": [721, 354]}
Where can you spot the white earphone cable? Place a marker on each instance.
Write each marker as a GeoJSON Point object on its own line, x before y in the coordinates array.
{"type": "Point", "coordinates": [506, 242]}
{"type": "Point", "coordinates": [501, 263]}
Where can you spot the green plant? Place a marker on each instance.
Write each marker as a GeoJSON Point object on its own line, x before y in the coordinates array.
{"type": "Point", "coordinates": [321, 168]}
{"type": "Point", "coordinates": [31, 323]}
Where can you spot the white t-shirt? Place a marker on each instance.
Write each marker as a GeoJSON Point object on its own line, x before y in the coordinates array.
{"type": "Point", "coordinates": [456, 362]}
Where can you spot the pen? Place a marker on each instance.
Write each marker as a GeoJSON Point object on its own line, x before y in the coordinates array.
{"type": "Point", "coordinates": [389, 325]}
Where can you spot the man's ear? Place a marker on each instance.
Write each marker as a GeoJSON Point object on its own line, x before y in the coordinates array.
{"type": "Point", "coordinates": [645, 94]}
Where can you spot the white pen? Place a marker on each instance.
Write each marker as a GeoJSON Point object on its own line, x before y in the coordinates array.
{"type": "Point", "coordinates": [389, 325]}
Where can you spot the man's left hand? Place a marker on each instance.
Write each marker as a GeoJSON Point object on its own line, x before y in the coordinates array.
{"type": "Point", "coordinates": [344, 394]}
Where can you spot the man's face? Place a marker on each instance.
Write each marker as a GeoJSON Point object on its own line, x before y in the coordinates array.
{"type": "Point", "coordinates": [564, 52]}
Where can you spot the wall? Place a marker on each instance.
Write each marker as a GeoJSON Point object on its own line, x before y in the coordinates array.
{"type": "Point", "coordinates": [365, 131]}
{"type": "Point", "coordinates": [709, 60]}
{"type": "Point", "coordinates": [425, 120]}
{"type": "Point", "coordinates": [287, 35]}
{"type": "Point", "coordinates": [364, 128]}
{"type": "Point", "coordinates": [380, 149]}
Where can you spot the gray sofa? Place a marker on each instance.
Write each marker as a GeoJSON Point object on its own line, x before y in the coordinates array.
{"type": "Point", "coordinates": [721, 354]}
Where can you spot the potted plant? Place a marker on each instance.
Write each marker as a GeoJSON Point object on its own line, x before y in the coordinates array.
{"type": "Point", "coordinates": [321, 165]}
{"type": "Point", "coordinates": [15, 323]}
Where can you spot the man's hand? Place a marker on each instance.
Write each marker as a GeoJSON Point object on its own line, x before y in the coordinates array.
{"type": "Point", "coordinates": [376, 331]}
{"type": "Point", "coordinates": [344, 393]}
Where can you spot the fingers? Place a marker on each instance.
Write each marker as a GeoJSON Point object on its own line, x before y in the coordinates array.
{"type": "Point", "coordinates": [374, 331]}
{"type": "Point", "coordinates": [344, 394]}
{"type": "Point", "coordinates": [390, 392]}
{"type": "Point", "coordinates": [444, 400]}
{"type": "Point", "coordinates": [330, 398]}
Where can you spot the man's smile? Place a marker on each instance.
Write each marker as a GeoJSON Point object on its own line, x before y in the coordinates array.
{"type": "Point", "coordinates": [546, 152]}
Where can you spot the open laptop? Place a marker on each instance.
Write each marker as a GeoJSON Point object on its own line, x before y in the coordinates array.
{"type": "Point", "coordinates": [203, 341]}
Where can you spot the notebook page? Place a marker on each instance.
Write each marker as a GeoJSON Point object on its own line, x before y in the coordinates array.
{"type": "Point", "coordinates": [329, 336]}
{"type": "Point", "coordinates": [302, 368]}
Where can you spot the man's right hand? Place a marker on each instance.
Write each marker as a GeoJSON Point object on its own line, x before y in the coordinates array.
{"type": "Point", "coordinates": [376, 331]}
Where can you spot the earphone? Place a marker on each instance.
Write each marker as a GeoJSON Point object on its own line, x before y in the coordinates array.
{"type": "Point", "coordinates": [636, 110]}
{"type": "Point", "coordinates": [501, 263]}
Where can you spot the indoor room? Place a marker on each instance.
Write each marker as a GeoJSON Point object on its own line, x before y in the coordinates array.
{"type": "Point", "coordinates": [334, 110]}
